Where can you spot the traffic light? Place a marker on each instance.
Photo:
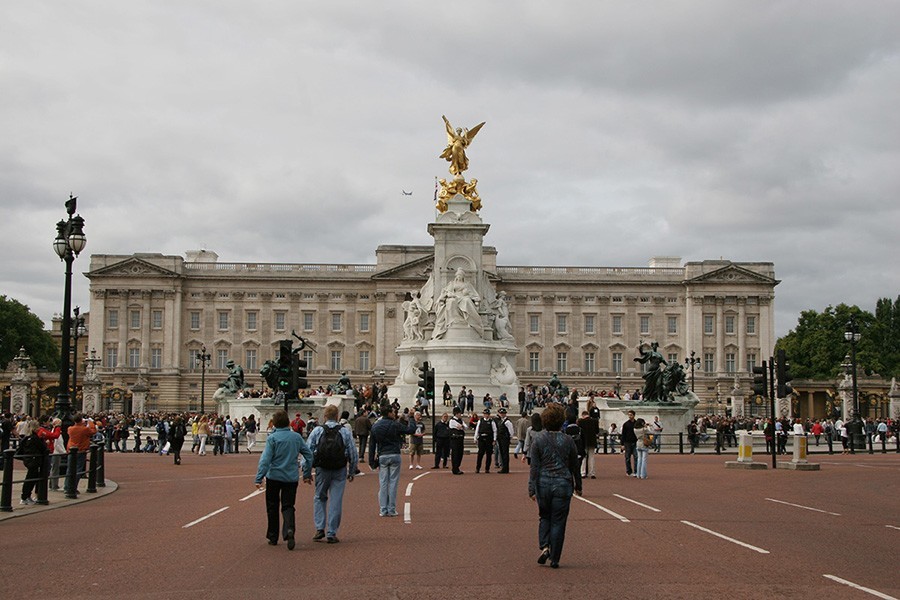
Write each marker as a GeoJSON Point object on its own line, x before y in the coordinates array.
{"type": "Point", "coordinates": [424, 372]}
{"type": "Point", "coordinates": [783, 370]}
{"type": "Point", "coordinates": [429, 388]}
{"type": "Point", "coordinates": [285, 379]}
{"type": "Point", "coordinates": [760, 385]}
{"type": "Point", "coordinates": [298, 371]}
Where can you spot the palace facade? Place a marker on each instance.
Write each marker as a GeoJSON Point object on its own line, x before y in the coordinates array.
{"type": "Point", "coordinates": [152, 314]}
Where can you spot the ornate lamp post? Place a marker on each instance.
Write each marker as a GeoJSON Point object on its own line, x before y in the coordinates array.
{"type": "Point", "coordinates": [690, 363]}
{"type": "Point", "coordinates": [203, 359]}
{"type": "Point", "coordinates": [78, 330]}
{"type": "Point", "coordinates": [852, 335]}
{"type": "Point", "coordinates": [70, 241]}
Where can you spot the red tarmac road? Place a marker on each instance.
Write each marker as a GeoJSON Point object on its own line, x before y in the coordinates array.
{"type": "Point", "coordinates": [692, 529]}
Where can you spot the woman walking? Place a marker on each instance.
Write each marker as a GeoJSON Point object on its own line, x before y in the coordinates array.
{"type": "Point", "coordinates": [203, 433]}
{"type": "Point", "coordinates": [641, 431]}
{"type": "Point", "coordinates": [553, 477]}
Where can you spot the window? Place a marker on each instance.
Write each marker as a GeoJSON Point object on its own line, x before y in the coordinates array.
{"type": "Point", "coordinates": [673, 358]}
{"type": "Point", "coordinates": [709, 362]}
{"type": "Point", "coordinates": [534, 324]}
{"type": "Point", "coordinates": [221, 358]}
{"type": "Point", "coordinates": [134, 358]}
{"type": "Point", "coordinates": [534, 361]}
{"type": "Point", "coordinates": [672, 326]}
{"type": "Point", "coordinates": [193, 358]}
{"type": "Point", "coordinates": [307, 321]}
{"type": "Point", "coordinates": [562, 362]}
{"type": "Point", "coordinates": [307, 355]}
{"type": "Point", "coordinates": [589, 324]}
{"type": "Point", "coordinates": [617, 362]}
{"type": "Point", "coordinates": [250, 359]}
{"type": "Point", "coordinates": [134, 317]}
{"type": "Point", "coordinates": [708, 324]}
{"type": "Point", "coordinates": [156, 358]}
{"type": "Point", "coordinates": [252, 318]}
{"type": "Point", "coordinates": [223, 320]}
{"type": "Point", "coordinates": [589, 363]}
{"type": "Point", "coordinates": [751, 325]}
{"type": "Point", "coordinates": [364, 360]}
{"type": "Point", "coordinates": [335, 360]}
{"type": "Point", "coordinates": [561, 323]}
{"type": "Point", "coordinates": [112, 318]}
{"type": "Point", "coordinates": [645, 324]}
{"type": "Point", "coordinates": [730, 366]}
{"type": "Point", "coordinates": [279, 320]}
{"type": "Point", "coordinates": [617, 325]}
{"type": "Point", "coordinates": [729, 324]}
{"type": "Point", "coordinates": [751, 361]}
{"type": "Point", "coordinates": [156, 319]}
{"type": "Point", "coordinates": [112, 357]}
{"type": "Point", "coordinates": [336, 324]}
{"type": "Point", "coordinates": [195, 319]}
{"type": "Point", "coordinates": [364, 325]}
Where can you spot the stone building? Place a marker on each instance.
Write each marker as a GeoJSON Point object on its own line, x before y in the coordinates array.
{"type": "Point", "coordinates": [151, 314]}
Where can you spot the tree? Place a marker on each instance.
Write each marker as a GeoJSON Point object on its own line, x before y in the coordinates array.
{"type": "Point", "coordinates": [816, 347]}
{"type": "Point", "coordinates": [20, 328]}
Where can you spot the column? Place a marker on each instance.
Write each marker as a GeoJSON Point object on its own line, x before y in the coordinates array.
{"type": "Point", "coordinates": [146, 295]}
{"type": "Point", "coordinates": [720, 334]}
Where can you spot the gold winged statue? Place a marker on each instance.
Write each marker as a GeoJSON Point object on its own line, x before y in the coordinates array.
{"type": "Point", "coordinates": [457, 142]}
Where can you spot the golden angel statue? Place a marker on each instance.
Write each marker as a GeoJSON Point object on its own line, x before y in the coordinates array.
{"type": "Point", "coordinates": [457, 142]}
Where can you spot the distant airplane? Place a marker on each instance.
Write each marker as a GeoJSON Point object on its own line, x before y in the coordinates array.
{"type": "Point", "coordinates": [405, 193]}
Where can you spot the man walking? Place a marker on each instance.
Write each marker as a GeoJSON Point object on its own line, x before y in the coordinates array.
{"type": "Point", "coordinates": [384, 443]}
{"type": "Point", "coordinates": [485, 434]}
{"type": "Point", "coordinates": [457, 439]}
{"type": "Point", "coordinates": [629, 445]}
{"type": "Point", "coordinates": [335, 458]}
{"type": "Point", "coordinates": [361, 428]}
{"type": "Point", "coordinates": [590, 430]}
{"type": "Point", "coordinates": [505, 433]}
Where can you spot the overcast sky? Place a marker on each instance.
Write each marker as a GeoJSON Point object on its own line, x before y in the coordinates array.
{"type": "Point", "coordinates": [284, 131]}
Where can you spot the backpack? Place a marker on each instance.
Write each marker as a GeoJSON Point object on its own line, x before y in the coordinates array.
{"type": "Point", "coordinates": [647, 440]}
{"type": "Point", "coordinates": [330, 451]}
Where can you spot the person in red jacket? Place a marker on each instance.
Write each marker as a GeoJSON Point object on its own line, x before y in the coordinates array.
{"type": "Point", "coordinates": [80, 434]}
{"type": "Point", "coordinates": [817, 430]}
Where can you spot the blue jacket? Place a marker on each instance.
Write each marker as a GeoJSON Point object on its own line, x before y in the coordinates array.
{"type": "Point", "coordinates": [349, 446]}
{"type": "Point", "coordinates": [385, 438]}
{"type": "Point", "coordinates": [279, 459]}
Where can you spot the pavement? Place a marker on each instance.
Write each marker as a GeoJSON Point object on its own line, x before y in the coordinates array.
{"type": "Point", "coordinates": [55, 499]}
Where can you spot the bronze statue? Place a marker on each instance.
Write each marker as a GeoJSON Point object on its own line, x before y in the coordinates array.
{"type": "Point", "coordinates": [457, 142]}
{"type": "Point", "coordinates": [235, 381]}
{"type": "Point", "coordinates": [654, 388]}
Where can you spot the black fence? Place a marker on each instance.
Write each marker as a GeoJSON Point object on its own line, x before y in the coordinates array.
{"type": "Point", "coordinates": [73, 466]}
{"type": "Point", "coordinates": [682, 443]}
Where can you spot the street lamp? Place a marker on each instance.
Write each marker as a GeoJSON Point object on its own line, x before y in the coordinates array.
{"type": "Point", "coordinates": [852, 335]}
{"type": "Point", "coordinates": [70, 241]}
{"type": "Point", "coordinates": [203, 359]}
{"type": "Point", "coordinates": [690, 363]}
{"type": "Point", "coordinates": [78, 330]}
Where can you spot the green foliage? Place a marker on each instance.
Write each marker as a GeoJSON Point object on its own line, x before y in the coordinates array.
{"type": "Point", "coordinates": [19, 328]}
{"type": "Point", "coordinates": [816, 347]}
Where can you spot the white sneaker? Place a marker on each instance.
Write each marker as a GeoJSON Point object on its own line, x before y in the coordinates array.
{"type": "Point", "coordinates": [418, 466]}
{"type": "Point", "coordinates": [27, 502]}
{"type": "Point", "coordinates": [410, 466]}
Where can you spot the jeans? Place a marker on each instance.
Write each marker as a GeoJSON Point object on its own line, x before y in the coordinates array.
{"type": "Point", "coordinates": [589, 464]}
{"type": "Point", "coordinates": [331, 481]}
{"type": "Point", "coordinates": [641, 469]}
{"type": "Point", "coordinates": [553, 498]}
{"type": "Point", "coordinates": [283, 493]}
{"type": "Point", "coordinates": [55, 461]}
{"type": "Point", "coordinates": [630, 457]}
{"type": "Point", "coordinates": [388, 480]}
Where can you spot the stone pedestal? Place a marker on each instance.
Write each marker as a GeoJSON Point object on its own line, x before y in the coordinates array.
{"type": "Point", "coordinates": [90, 395]}
{"type": "Point", "coordinates": [20, 396]}
{"type": "Point", "coordinates": [139, 397]}
{"type": "Point", "coordinates": [674, 416]}
{"type": "Point", "coordinates": [264, 408]}
{"type": "Point", "coordinates": [894, 395]}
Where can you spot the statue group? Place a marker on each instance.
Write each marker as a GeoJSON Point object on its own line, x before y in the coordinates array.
{"type": "Point", "coordinates": [458, 140]}
{"type": "Point", "coordinates": [662, 380]}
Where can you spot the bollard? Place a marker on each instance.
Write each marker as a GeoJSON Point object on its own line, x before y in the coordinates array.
{"type": "Point", "coordinates": [680, 442]}
{"type": "Point", "coordinates": [745, 448]}
{"type": "Point", "coordinates": [92, 472]}
{"type": "Point", "coordinates": [72, 474]}
{"type": "Point", "coordinates": [101, 467]}
{"type": "Point", "coordinates": [871, 445]}
{"type": "Point", "coordinates": [800, 443]}
{"type": "Point", "coordinates": [41, 487]}
{"type": "Point", "coordinates": [6, 487]}
{"type": "Point", "coordinates": [830, 444]}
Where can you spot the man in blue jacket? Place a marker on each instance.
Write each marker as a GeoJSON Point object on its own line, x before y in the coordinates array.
{"type": "Point", "coordinates": [384, 455]}
{"type": "Point", "coordinates": [278, 464]}
{"type": "Point", "coordinates": [335, 460]}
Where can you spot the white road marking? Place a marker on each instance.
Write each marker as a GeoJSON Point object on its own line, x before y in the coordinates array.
{"type": "Point", "coordinates": [875, 593]}
{"type": "Point", "coordinates": [892, 526]}
{"type": "Point", "coordinates": [647, 506]}
{"type": "Point", "coordinates": [418, 477]}
{"type": "Point", "coordinates": [604, 509]}
{"type": "Point", "coordinates": [409, 490]}
{"type": "Point", "coordinates": [406, 517]}
{"type": "Point", "coordinates": [725, 537]}
{"type": "Point", "coordinates": [212, 514]}
{"type": "Point", "coordinates": [256, 493]}
{"type": "Point", "coordinates": [803, 507]}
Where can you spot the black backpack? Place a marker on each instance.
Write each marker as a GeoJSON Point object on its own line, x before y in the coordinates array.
{"type": "Point", "coordinates": [331, 453]}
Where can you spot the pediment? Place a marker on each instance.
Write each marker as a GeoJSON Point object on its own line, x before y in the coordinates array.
{"type": "Point", "coordinates": [133, 267]}
{"type": "Point", "coordinates": [419, 268]}
{"type": "Point", "coordinates": [732, 274]}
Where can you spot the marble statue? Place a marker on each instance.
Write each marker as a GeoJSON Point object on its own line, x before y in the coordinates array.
{"type": "Point", "coordinates": [415, 319]}
{"type": "Point", "coordinates": [458, 303]}
{"type": "Point", "coordinates": [502, 327]}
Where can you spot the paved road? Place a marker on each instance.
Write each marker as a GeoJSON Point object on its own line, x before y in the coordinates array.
{"type": "Point", "coordinates": [692, 529]}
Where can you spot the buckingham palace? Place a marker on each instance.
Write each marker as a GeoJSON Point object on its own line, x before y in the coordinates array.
{"type": "Point", "coordinates": [153, 314]}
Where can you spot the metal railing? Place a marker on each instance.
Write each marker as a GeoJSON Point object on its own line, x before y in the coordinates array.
{"type": "Point", "coordinates": [94, 468]}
